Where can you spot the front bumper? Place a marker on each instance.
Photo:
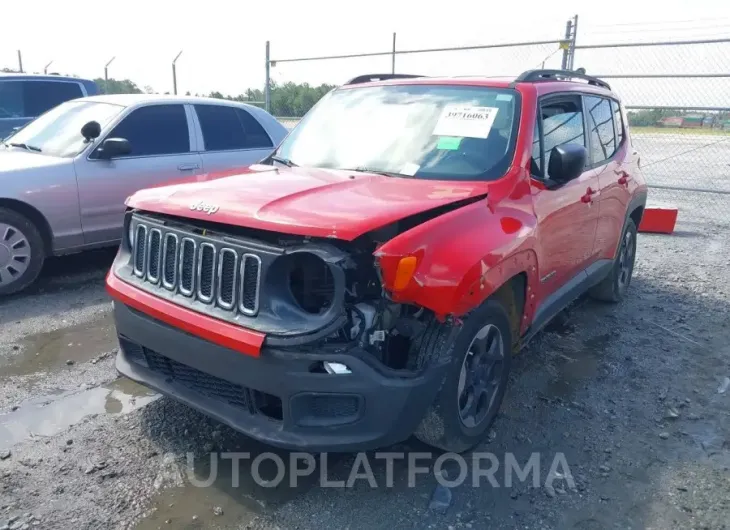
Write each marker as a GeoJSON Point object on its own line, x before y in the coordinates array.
{"type": "Point", "coordinates": [276, 398]}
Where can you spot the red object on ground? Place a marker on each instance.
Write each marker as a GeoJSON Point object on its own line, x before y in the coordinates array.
{"type": "Point", "coordinates": [659, 219]}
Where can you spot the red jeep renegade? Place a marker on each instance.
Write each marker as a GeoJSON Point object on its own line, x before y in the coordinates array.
{"type": "Point", "coordinates": [373, 277]}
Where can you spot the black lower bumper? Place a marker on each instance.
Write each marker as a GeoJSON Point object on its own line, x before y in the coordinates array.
{"type": "Point", "coordinates": [276, 398]}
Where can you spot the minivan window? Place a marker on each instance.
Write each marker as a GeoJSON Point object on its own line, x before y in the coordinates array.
{"type": "Point", "coordinates": [155, 130]}
{"type": "Point", "coordinates": [58, 131]}
{"type": "Point", "coordinates": [419, 131]}
{"type": "Point", "coordinates": [30, 98]}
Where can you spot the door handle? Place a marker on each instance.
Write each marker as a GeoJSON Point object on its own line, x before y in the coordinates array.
{"type": "Point", "coordinates": [588, 197]}
{"type": "Point", "coordinates": [188, 167]}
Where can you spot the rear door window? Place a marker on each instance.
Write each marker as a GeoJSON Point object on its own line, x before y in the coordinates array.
{"type": "Point", "coordinates": [600, 121]}
{"type": "Point", "coordinates": [155, 130]}
{"type": "Point", "coordinates": [229, 128]}
{"type": "Point", "coordinates": [28, 99]}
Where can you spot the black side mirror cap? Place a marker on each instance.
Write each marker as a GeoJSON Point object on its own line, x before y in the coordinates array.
{"type": "Point", "coordinates": [567, 162]}
{"type": "Point", "coordinates": [114, 147]}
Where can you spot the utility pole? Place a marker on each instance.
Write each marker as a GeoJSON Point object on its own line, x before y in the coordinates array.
{"type": "Point", "coordinates": [20, 62]}
{"type": "Point", "coordinates": [106, 74]}
{"type": "Point", "coordinates": [45, 68]}
{"type": "Point", "coordinates": [174, 74]}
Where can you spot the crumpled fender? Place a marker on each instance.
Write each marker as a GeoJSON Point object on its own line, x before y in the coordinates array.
{"type": "Point", "coordinates": [465, 255]}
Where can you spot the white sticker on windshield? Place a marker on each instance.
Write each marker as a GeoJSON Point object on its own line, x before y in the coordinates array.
{"type": "Point", "coordinates": [410, 169]}
{"type": "Point", "coordinates": [460, 120]}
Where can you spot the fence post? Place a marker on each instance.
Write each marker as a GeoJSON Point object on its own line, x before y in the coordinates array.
{"type": "Point", "coordinates": [572, 42]}
{"type": "Point", "coordinates": [267, 81]}
{"type": "Point", "coordinates": [392, 71]}
{"type": "Point", "coordinates": [565, 64]}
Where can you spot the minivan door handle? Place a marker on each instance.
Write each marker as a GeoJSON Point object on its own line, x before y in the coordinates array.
{"type": "Point", "coordinates": [188, 167]}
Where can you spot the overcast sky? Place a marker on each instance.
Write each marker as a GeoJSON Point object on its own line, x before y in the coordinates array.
{"type": "Point", "coordinates": [223, 41]}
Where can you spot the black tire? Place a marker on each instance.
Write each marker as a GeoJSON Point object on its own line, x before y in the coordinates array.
{"type": "Point", "coordinates": [443, 426]}
{"type": "Point", "coordinates": [613, 287]}
{"type": "Point", "coordinates": [13, 280]}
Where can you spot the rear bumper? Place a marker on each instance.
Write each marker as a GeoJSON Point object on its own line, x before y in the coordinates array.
{"type": "Point", "coordinates": [275, 398]}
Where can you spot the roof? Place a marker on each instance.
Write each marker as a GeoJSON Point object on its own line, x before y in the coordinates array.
{"type": "Point", "coordinates": [542, 85]}
{"type": "Point", "coordinates": [41, 77]}
{"type": "Point", "coordinates": [129, 100]}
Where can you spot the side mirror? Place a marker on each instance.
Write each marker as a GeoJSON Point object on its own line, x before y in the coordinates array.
{"type": "Point", "coordinates": [567, 162]}
{"type": "Point", "coordinates": [114, 147]}
{"type": "Point", "coordinates": [91, 131]}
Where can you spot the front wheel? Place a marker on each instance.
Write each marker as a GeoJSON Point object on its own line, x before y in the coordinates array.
{"type": "Point", "coordinates": [475, 382]}
{"type": "Point", "coordinates": [21, 252]}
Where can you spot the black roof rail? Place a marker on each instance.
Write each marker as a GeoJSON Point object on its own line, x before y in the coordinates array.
{"type": "Point", "coordinates": [379, 77]}
{"type": "Point", "coordinates": [533, 76]}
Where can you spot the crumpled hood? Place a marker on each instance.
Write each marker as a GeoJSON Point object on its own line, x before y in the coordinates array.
{"type": "Point", "coordinates": [304, 201]}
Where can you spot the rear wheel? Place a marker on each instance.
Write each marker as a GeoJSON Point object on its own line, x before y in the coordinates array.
{"type": "Point", "coordinates": [614, 286]}
{"type": "Point", "coordinates": [21, 252]}
{"type": "Point", "coordinates": [475, 383]}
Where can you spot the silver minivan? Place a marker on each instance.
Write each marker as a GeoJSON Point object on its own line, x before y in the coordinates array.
{"type": "Point", "coordinates": [65, 176]}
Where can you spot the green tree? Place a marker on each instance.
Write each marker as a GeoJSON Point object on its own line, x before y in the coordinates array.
{"type": "Point", "coordinates": [117, 86]}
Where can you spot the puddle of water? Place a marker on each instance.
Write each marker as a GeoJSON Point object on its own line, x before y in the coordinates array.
{"type": "Point", "coordinates": [578, 365]}
{"type": "Point", "coordinates": [240, 502]}
{"type": "Point", "coordinates": [53, 414]}
{"type": "Point", "coordinates": [49, 351]}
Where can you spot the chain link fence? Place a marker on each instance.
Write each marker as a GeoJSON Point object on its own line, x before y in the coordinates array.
{"type": "Point", "coordinates": [677, 95]}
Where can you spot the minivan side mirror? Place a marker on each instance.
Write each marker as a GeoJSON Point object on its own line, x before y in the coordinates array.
{"type": "Point", "coordinates": [114, 147]}
{"type": "Point", "coordinates": [567, 162]}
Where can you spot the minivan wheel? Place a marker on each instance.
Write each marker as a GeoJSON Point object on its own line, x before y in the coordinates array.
{"type": "Point", "coordinates": [614, 286]}
{"type": "Point", "coordinates": [475, 382]}
{"type": "Point", "coordinates": [21, 252]}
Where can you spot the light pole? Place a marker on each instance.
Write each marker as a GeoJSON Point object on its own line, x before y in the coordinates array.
{"type": "Point", "coordinates": [45, 68]}
{"type": "Point", "coordinates": [20, 61]}
{"type": "Point", "coordinates": [174, 74]}
{"type": "Point", "coordinates": [106, 74]}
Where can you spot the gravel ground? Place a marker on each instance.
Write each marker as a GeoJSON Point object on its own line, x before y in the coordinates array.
{"type": "Point", "coordinates": [629, 394]}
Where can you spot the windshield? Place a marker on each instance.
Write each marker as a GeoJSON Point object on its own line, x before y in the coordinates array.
{"type": "Point", "coordinates": [421, 131]}
{"type": "Point", "coordinates": [58, 131]}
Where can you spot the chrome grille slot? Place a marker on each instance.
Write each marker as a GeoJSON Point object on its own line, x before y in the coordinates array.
{"type": "Point", "coordinates": [227, 278]}
{"type": "Point", "coordinates": [154, 253]}
{"type": "Point", "coordinates": [250, 283]}
{"type": "Point", "coordinates": [140, 250]}
{"type": "Point", "coordinates": [169, 261]}
{"type": "Point", "coordinates": [206, 272]}
{"type": "Point", "coordinates": [195, 267]}
{"type": "Point", "coordinates": [187, 266]}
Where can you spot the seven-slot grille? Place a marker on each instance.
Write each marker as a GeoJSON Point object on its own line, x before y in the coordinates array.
{"type": "Point", "coordinates": [197, 269]}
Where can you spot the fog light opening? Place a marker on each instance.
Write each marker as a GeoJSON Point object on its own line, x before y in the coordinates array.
{"type": "Point", "coordinates": [326, 367]}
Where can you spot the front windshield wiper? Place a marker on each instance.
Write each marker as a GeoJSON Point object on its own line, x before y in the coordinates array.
{"type": "Point", "coordinates": [378, 172]}
{"type": "Point", "coordinates": [26, 147]}
{"type": "Point", "coordinates": [284, 161]}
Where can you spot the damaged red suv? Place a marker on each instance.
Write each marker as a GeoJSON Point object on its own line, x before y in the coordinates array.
{"type": "Point", "coordinates": [372, 279]}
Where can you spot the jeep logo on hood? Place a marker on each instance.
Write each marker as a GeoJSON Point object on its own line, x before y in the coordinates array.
{"type": "Point", "coordinates": [201, 206]}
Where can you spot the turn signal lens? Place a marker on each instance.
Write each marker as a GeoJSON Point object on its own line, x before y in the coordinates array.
{"type": "Point", "coordinates": [404, 272]}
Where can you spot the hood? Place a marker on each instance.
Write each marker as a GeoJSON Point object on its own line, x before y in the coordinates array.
{"type": "Point", "coordinates": [16, 159]}
{"type": "Point", "coordinates": [304, 201]}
